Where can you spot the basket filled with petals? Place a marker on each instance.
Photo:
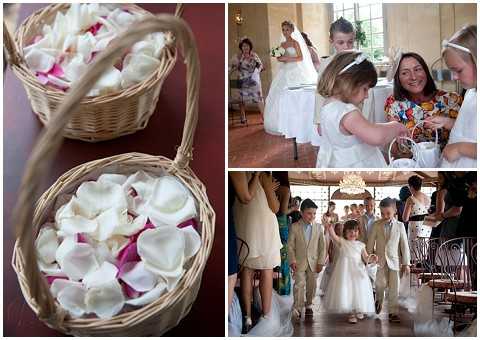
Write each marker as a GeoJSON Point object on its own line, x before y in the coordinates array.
{"type": "Point", "coordinates": [116, 246]}
{"type": "Point", "coordinates": [54, 46]}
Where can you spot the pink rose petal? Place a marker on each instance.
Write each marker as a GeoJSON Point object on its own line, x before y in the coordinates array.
{"type": "Point", "coordinates": [57, 71]}
{"type": "Point", "coordinates": [81, 238]}
{"type": "Point", "coordinates": [191, 222]}
{"type": "Point", "coordinates": [94, 29]}
{"type": "Point", "coordinates": [129, 291]}
{"type": "Point", "coordinates": [128, 254]}
{"type": "Point", "coordinates": [50, 279]}
{"type": "Point", "coordinates": [148, 225]}
{"type": "Point", "coordinates": [37, 38]}
{"type": "Point", "coordinates": [42, 78]}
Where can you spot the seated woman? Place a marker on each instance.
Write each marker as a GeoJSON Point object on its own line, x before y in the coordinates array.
{"type": "Point", "coordinates": [415, 97]}
{"type": "Point", "coordinates": [249, 66]}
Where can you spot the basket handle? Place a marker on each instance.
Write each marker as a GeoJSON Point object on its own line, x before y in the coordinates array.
{"type": "Point", "coordinates": [51, 139]}
{"type": "Point", "coordinates": [420, 122]}
{"type": "Point", "coordinates": [10, 48]}
{"type": "Point", "coordinates": [414, 148]}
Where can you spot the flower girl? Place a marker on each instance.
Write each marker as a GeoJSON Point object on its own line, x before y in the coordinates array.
{"type": "Point", "coordinates": [460, 55]}
{"type": "Point", "coordinates": [351, 140]}
{"type": "Point", "coordinates": [349, 289]}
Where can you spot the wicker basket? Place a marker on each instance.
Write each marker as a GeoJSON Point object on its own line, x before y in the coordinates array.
{"type": "Point", "coordinates": [166, 312]}
{"type": "Point", "coordinates": [96, 118]}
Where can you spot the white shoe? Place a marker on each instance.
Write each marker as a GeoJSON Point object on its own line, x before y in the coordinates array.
{"type": "Point", "coordinates": [360, 316]}
{"type": "Point", "coordinates": [297, 314]}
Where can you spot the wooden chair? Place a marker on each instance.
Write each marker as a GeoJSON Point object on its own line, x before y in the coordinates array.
{"type": "Point", "coordinates": [455, 259]}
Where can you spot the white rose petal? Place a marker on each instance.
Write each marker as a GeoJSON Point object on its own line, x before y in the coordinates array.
{"type": "Point", "coordinates": [192, 241]}
{"type": "Point", "coordinates": [60, 284]}
{"type": "Point", "coordinates": [105, 300]}
{"type": "Point", "coordinates": [109, 81]}
{"type": "Point", "coordinates": [67, 244]}
{"type": "Point", "coordinates": [49, 268]}
{"type": "Point", "coordinates": [79, 261]}
{"type": "Point", "coordinates": [39, 61]}
{"type": "Point", "coordinates": [138, 177]}
{"type": "Point", "coordinates": [46, 244]}
{"type": "Point", "coordinates": [150, 296]}
{"type": "Point", "coordinates": [172, 245]}
{"type": "Point", "coordinates": [112, 178]}
{"type": "Point", "coordinates": [158, 217]}
{"type": "Point", "coordinates": [108, 220]}
{"type": "Point", "coordinates": [72, 299]}
{"type": "Point", "coordinates": [77, 225]}
{"type": "Point", "coordinates": [138, 277]}
{"type": "Point", "coordinates": [74, 68]}
{"type": "Point", "coordinates": [106, 273]}
{"type": "Point", "coordinates": [170, 202]}
{"type": "Point", "coordinates": [136, 68]}
{"type": "Point", "coordinates": [102, 196]}
{"type": "Point", "coordinates": [115, 244]}
{"type": "Point", "coordinates": [103, 253]}
{"type": "Point", "coordinates": [131, 227]}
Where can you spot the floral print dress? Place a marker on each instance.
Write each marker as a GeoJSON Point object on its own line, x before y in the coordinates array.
{"type": "Point", "coordinates": [249, 87]}
{"type": "Point", "coordinates": [409, 113]}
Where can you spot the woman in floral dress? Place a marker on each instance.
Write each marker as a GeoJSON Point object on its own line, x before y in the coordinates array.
{"type": "Point", "coordinates": [415, 97]}
{"type": "Point", "coordinates": [249, 66]}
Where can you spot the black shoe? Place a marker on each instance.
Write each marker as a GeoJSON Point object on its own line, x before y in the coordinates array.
{"type": "Point", "coordinates": [247, 324]}
{"type": "Point", "coordinates": [308, 311]}
{"type": "Point", "coordinates": [378, 307]}
{"type": "Point", "coordinates": [393, 318]}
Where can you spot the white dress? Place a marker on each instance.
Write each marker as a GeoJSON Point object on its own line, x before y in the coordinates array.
{"type": "Point", "coordinates": [257, 225]}
{"type": "Point", "coordinates": [344, 151]}
{"type": "Point", "coordinates": [349, 288]}
{"type": "Point", "coordinates": [289, 74]}
{"type": "Point", "coordinates": [464, 130]}
{"type": "Point", "coordinates": [417, 229]}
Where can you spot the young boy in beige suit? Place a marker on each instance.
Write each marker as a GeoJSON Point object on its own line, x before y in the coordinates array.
{"type": "Point", "coordinates": [389, 239]}
{"type": "Point", "coordinates": [306, 255]}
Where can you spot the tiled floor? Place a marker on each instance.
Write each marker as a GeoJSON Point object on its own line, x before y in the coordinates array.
{"type": "Point", "coordinates": [251, 147]}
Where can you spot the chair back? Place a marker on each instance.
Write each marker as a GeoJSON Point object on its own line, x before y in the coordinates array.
{"type": "Point", "coordinates": [455, 259]}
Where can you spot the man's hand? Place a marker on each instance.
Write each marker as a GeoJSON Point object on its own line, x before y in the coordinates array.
{"type": "Point", "coordinates": [293, 266]}
{"type": "Point", "coordinates": [319, 268]}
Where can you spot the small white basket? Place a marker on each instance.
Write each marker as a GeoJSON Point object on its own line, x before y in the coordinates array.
{"type": "Point", "coordinates": [428, 152]}
{"type": "Point", "coordinates": [404, 162]}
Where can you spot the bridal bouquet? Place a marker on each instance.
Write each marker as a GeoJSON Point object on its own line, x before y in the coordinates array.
{"type": "Point", "coordinates": [118, 241]}
{"type": "Point", "coordinates": [61, 51]}
{"type": "Point", "coordinates": [277, 51]}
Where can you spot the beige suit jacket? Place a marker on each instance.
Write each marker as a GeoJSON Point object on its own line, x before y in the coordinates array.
{"type": "Point", "coordinates": [392, 251]}
{"type": "Point", "coordinates": [304, 254]}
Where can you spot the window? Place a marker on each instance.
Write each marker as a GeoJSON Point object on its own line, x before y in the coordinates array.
{"type": "Point", "coordinates": [370, 18]}
{"type": "Point", "coordinates": [321, 195]}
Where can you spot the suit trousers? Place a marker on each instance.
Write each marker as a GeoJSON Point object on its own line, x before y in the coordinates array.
{"type": "Point", "coordinates": [304, 280]}
{"type": "Point", "coordinates": [391, 279]}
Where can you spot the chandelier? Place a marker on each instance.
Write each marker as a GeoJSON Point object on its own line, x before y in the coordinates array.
{"type": "Point", "coordinates": [352, 184]}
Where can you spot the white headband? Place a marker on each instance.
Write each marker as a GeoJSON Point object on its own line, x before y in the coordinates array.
{"type": "Point", "coordinates": [358, 60]}
{"type": "Point", "coordinates": [447, 43]}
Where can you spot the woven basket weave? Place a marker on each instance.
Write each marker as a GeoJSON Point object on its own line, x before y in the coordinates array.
{"type": "Point", "coordinates": [96, 118]}
{"type": "Point", "coordinates": [166, 312]}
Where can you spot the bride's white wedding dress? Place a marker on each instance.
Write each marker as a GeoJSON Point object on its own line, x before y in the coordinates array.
{"type": "Point", "coordinates": [289, 74]}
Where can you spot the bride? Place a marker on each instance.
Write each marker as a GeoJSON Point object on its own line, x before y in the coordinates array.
{"type": "Point", "coordinates": [296, 68]}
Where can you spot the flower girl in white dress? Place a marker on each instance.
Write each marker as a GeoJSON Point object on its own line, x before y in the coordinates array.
{"type": "Point", "coordinates": [351, 140]}
{"type": "Point", "coordinates": [349, 289]}
{"type": "Point", "coordinates": [460, 55]}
